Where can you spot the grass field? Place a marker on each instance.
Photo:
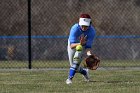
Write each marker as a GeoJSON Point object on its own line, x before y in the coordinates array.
{"type": "Point", "coordinates": [53, 81]}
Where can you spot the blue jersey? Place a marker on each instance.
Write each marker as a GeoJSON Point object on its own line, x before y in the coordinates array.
{"type": "Point", "coordinates": [76, 32]}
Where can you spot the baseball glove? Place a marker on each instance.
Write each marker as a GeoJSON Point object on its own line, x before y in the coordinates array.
{"type": "Point", "coordinates": [92, 62]}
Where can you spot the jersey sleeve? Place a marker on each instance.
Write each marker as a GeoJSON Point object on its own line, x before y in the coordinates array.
{"type": "Point", "coordinates": [73, 35]}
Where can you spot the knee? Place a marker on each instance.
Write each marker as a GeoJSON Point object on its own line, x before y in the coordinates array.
{"type": "Point", "coordinates": [75, 66]}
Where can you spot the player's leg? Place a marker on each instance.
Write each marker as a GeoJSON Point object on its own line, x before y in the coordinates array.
{"type": "Point", "coordinates": [75, 67]}
{"type": "Point", "coordinates": [71, 53]}
{"type": "Point", "coordinates": [87, 77]}
{"type": "Point", "coordinates": [72, 72]}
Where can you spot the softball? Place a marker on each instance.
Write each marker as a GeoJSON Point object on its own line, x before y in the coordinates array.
{"type": "Point", "coordinates": [79, 48]}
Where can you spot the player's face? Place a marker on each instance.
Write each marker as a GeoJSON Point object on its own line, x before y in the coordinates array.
{"type": "Point", "coordinates": [84, 28]}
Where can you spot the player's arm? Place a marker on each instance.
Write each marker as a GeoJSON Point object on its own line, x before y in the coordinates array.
{"type": "Point", "coordinates": [73, 45]}
{"type": "Point", "coordinates": [82, 42]}
{"type": "Point", "coordinates": [89, 42]}
{"type": "Point", "coordinates": [89, 46]}
{"type": "Point", "coordinates": [73, 38]}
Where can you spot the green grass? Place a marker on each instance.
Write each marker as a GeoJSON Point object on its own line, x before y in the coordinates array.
{"type": "Point", "coordinates": [52, 81]}
{"type": "Point", "coordinates": [65, 64]}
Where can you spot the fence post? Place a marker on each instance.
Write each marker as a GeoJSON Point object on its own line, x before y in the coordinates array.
{"type": "Point", "coordinates": [29, 36]}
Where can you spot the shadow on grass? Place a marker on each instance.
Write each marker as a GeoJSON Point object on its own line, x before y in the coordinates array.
{"type": "Point", "coordinates": [111, 81]}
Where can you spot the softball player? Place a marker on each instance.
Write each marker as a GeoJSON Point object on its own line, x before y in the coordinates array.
{"type": "Point", "coordinates": [81, 33]}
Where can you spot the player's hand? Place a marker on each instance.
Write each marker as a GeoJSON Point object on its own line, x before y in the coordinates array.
{"type": "Point", "coordinates": [83, 40]}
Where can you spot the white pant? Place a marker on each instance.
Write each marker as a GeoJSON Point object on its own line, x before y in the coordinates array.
{"type": "Point", "coordinates": [71, 53]}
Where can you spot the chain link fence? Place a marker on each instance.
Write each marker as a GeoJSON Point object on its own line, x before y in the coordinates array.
{"type": "Point", "coordinates": [116, 21]}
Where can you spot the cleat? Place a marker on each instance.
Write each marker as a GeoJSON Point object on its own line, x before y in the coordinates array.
{"type": "Point", "coordinates": [68, 81]}
{"type": "Point", "coordinates": [86, 77]}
